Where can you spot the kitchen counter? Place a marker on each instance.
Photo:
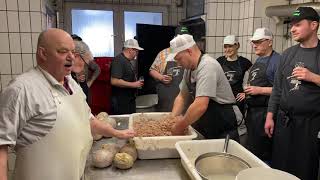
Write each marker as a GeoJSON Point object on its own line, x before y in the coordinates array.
{"type": "Point", "coordinates": [158, 169]}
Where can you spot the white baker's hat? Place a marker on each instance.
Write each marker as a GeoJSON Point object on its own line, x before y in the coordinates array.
{"type": "Point", "coordinates": [132, 43]}
{"type": "Point", "coordinates": [261, 33]}
{"type": "Point", "coordinates": [180, 43]}
{"type": "Point", "coordinates": [230, 39]}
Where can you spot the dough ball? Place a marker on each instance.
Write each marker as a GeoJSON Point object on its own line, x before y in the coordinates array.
{"type": "Point", "coordinates": [97, 137]}
{"type": "Point", "coordinates": [112, 122]}
{"type": "Point", "coordinates": [102, 158]}
{"type": "Point", "coordinates": [110, 147]}
{"type": "Point", "coordinates": [103, 116]}
{"type": "Point", "coordinates": [131, 150]}
{"type": "Point", "coordinates": [123, 161]}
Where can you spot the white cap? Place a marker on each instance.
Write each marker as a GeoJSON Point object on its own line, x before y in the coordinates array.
{"type": "Point", "coordinates": [180, 43]}
{"type": "Point", "coordinates": [230, 39]}
{"type": "Point", "coordinates": [132, 43]}
{"type": "Point", "coordinates": [261, 33]}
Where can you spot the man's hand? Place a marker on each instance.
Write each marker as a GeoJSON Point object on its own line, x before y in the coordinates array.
{"type": "Point", "coordinates": [240, 97]}
{"type": "Point", "coordinates": [253, 90]}
{"type": "Point", "coordinates": [125, 134]}
{"type": "Point", "coordinates": [137, 84]}
{"type": "Point", "coordinates": [165, 79]}
{"type": "Point", "coordinates": [179, 127]}
{"type": "Point", "coordinates": [269, 125]}
{"type": "Point", "coordinates": [303, 74]}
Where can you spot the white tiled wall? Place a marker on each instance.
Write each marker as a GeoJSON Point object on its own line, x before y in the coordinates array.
{"type": "Point", "coordinates": [242, 17]}
{"type": "Point", "coordinates": [229, 17]}
{"type": "Point", "coordinates": [21, 21]}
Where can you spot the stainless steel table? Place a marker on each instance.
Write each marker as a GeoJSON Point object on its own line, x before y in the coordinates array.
{"type": "Point", "coordinates": [159, 169]}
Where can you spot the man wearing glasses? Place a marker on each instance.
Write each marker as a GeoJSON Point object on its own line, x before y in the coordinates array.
{"type": "Point", "coordinates": [258, 91]}
{"type": "Point", "coordinates": [123, 79]}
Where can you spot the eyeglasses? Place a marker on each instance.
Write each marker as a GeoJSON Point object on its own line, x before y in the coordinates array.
{"type": "Point", "coordinates": [76, 37]}
{"type": "Point", "coordinates": [83, 60]}
{"type": "Point", "coordinates": [258, 42]}
{"type": "Point", "coordinates": [229, 45]}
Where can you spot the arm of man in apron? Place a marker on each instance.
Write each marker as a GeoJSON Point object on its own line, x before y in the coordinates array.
{"type": "Point", "coordinates": [179, 103]}
{"type": "Point", "coordinates": [181, 100]}
{"type": "Point", "coordinates": [256, 90]}
{"type": "Point", "coordinates": [105, 129]}
{"type": "Point", "coordinates": [3, 162]}
{"type": "Point", "coordinates": [194, 112]}
{"type": "Point", "coordinates": [159, 77]}
{"type": "Point", "coordinates": [274, 100]}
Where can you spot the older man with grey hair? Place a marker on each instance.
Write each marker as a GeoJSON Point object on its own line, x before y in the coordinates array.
{"type": "Point", "coordinates": [91, 70]}
{"type": "Point", "coordinates": [44, 116]}
{"type": "Point", "coordinates": [258, 91]}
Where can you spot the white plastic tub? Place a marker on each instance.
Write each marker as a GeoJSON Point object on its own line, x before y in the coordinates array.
{"type": "Point", "coordinates": [158, 147]}
{"type": "Point", "coordinates": [190, 150]}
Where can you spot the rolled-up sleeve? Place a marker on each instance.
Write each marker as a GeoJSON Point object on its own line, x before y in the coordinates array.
{"type": "Point", "coordinates": [12, 113]}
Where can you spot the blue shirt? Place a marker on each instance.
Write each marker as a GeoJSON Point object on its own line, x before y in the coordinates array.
{"type": "Point", "coordinates": [273, 64]}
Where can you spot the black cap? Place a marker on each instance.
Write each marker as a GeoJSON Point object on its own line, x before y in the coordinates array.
{"type": "Point", "coordinates": [307, 13]}
{"type": "Point", "coordinates": [181, 30]}
{"type": "Point", "coordinates": [76, 37]}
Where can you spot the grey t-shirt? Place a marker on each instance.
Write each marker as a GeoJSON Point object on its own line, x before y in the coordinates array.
{"type": "Point", "coordinates": [210, 81]}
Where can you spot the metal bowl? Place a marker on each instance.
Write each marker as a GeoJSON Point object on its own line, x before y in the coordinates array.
{"type": "Point", "coordinates": [219, 166]}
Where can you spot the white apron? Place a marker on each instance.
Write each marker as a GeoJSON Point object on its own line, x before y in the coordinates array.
{"type": "Point", "coordinates": [62, 153]}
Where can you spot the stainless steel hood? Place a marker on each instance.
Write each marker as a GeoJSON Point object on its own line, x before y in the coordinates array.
{"type": "Point", "coordinates": [285, 11]}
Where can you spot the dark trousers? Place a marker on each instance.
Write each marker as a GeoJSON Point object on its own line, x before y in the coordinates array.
{"type": "Point", "coordinates": [296, 146]}
{"type": "Point", "coordinates": [258, 142]}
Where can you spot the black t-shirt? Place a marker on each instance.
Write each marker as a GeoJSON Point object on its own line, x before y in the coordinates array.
{"type": "Point", "coordinates": [121, 68]}
{"type": "Point", "coordinates": [296, 96]}
{"type": "Point", "coordinates": [244, 64]}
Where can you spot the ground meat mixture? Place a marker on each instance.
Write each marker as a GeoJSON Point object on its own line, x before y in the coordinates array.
{"type": "Point", "coordinates": [146, 127]}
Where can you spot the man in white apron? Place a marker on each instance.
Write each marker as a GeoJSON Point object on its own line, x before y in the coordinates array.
{"type": "Point", "coordinates": [43, 113]}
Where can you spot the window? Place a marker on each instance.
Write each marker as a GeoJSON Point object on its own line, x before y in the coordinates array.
{"type": "Point", "coordinates": [95, 27]}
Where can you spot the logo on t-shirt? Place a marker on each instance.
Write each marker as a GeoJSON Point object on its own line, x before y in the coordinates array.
{"type": "Point", "coordinates": [230, 75]}
{"type": "Point", "coordinates": [254, 73]}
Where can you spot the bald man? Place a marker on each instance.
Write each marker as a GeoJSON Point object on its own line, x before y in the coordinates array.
{"type": "Point", "coordinates": [44, 116]}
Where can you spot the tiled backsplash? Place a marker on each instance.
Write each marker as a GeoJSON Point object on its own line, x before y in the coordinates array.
{"type": "Point", "coordinates": [242, 17]}
{"type": "Point", "coordinates": [21, 22]}
{"type": "Point", "coordinates": [228, 17]}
